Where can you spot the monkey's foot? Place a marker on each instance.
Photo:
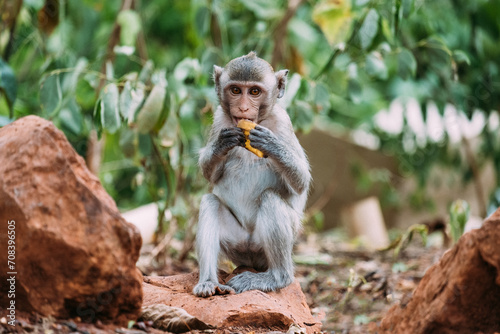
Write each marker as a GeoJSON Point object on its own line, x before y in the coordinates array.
{"type": "Point", "coordinates": [207, 289]}
{"type": "Point", "coordinates": [265, 281]}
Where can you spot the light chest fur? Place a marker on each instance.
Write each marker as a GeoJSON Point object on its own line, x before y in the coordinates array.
{"type": "Point", "coordinates": [244, 179]}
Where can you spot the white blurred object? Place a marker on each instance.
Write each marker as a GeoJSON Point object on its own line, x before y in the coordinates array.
{"type": "Point", "coordinates": [473, 223]}
{"type": "Point", "coordinates": [146, 219]}
{"type": "Point", "coordinates": [364, 219]}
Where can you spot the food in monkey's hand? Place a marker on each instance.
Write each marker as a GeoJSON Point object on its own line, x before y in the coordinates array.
{"type": "Point", "coordinates": [247, 126]}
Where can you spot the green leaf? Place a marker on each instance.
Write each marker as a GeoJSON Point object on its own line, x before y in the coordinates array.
{"type": "Point", "coordinates": [8, 85]}
{"type": "Point", "coordinates": [188, 67]}
{"type": "Point", "coordinates": [159, 77]}
{"type": "Point", "coordinates": [34, 4]}
{"type": "Point", "coordinates": [436, 42]}
{"type": "Point", "coordinates": [459, 215]}
{"type": "Point", "coordinates": [334, 18]}
{"type": "Point", "coordinates": [368, 29]}
{"type": "Point", "coordinates": [51, 95]}
{"type": "Point", "coordinates": [85, 95]}
{"type": "Point", "coordinates": [126, 100]}
{"type": "Point", "coordinates": [375, 66]}
{"type": "Point", "coordinates": [110, 115]}
{"type": "Point", "coordinates": [92, 79]}
{"type": "Point", "coordinates": [71, 116]}
{"type": "Point", "coordinates": [263, 9]}
{"type": "Point", "coordinates": [146, 71]}
{"type": "Point", "coordinates": [202, 21]}
{"type": "Point", "coordinates": [151, 110]}
{"type": "Point", "coordinates": [461, 57]}
{"type": "Point", "coordinates": [128, 142]}
{"type": "Point", "coordinates": [70, 81]}
{"type": "Point", "coordinates": [168, 134]}
{"type": "Point", "coordinates": [188, 109]}
{"type": "Point", "coordinates": [355, 91]}
{"type": "Point", "coordinates": [407, 65]}
{"type": "Point", "coordinates": [387, 31]}
{"type": "Point", "coordinates": [130, 26]}
{"type": "Point", "coordinates": [130, 100]}
{"type": "Point", "coordinates": [303, 115]}
{"type": "Point", "coordinates": [110, 72]}
{"type": "Point", "coordinates": [292, 87]}
{"type": "Point", "coordinates": [407, 7]}
{"type": "Point", "coordinates": [187, 119]}
{"type": "Point", "coordinates": [322, 97]}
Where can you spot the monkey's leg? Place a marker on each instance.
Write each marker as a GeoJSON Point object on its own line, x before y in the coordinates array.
{"type": "Point", "coordinates": [274, 232]}
{"type": "Point", "coordinates": [208, 246]}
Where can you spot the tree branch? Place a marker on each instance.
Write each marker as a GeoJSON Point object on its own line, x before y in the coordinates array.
{"type": "Point", "coordinates": [280, 32]}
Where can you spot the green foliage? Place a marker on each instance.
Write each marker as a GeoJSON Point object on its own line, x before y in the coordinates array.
{"type": "Point", "coordinates": [404, 239]}
{"type": "Point", "coordinates": [459, 215]}
{"type": "Point", "coordinates": [8, 84]}
{"type": "Point", "coordinates": [130, 26]}
{"type": "Point", "coordinates": [333, 17]}
{"type": "Point", "coordinates": [148, 90]}
{"type": "Point", "coordinates": [107, 108]}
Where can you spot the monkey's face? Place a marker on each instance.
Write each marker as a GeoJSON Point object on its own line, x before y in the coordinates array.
{"type": "Point", "coordinates": [248, 88]}
{"type": "Point", "coordinates": [246, 100]}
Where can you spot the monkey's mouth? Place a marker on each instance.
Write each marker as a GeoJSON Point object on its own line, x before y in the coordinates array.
{"type": "Point", "coordinates": [237, 119]}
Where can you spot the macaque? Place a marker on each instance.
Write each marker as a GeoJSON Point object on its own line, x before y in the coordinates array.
{"type": "Point", "coordinates": [254, 212]}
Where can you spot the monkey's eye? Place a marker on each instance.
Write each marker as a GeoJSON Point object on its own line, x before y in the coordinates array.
{"type": "Point", "coordinates": [235, 90]}
{"type": "Point", "coordinates": [254, 91]}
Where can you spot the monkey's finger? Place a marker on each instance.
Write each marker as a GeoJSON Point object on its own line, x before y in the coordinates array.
{"type": "Point", "coordinates": [262, 131]}
{"type": "Point", "coordinates": [236, 140]}
{"type": "Point", "coordinates": [257, 139]}
{"type": "Point", "coordinates": [228, 132]}
{"type": "Point", "coordinates": [235, 137]}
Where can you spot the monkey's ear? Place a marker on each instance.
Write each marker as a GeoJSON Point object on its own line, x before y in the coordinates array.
{"type": "Point", "coordinates": [281, 80]}
{"type": "Point", "coordinates": [217, 74]}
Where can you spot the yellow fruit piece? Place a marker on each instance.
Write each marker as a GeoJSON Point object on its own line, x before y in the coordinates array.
{"type": "Point", "coordinates": [247, 126]}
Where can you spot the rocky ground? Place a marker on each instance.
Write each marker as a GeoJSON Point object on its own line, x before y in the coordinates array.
{"type": "Point", "coordinates": [346, 287]}
{"type": "Point", "coordinates": [356, 288]}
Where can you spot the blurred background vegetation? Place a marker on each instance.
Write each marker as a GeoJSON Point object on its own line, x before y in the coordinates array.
{"type": "Point", "coordinates": [129, 83]}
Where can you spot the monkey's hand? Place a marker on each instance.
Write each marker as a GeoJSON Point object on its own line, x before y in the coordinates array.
{"type": "Point", "coordinates": [228, 139]}
{"type": "Point", "coordinates": [207, 289]}
{"type": "Point", "coordinates": [266, 141]}
{"type": "Point", "coordinates": [286, 154]}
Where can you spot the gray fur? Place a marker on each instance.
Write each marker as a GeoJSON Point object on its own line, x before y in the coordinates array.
{"type": "Point", "coordinates": [247, 68]}
{"type": "Point", "coordinates": [253, 214]}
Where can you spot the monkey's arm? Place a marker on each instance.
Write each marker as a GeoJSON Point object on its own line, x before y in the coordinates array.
{"type": "Point", "coordinates": [213, 155]}
{"type": "Point", "coordinates": [287, 154]}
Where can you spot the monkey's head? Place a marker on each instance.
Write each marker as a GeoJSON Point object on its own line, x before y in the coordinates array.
{"type": "Point", "coordinates": [248, 87]}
